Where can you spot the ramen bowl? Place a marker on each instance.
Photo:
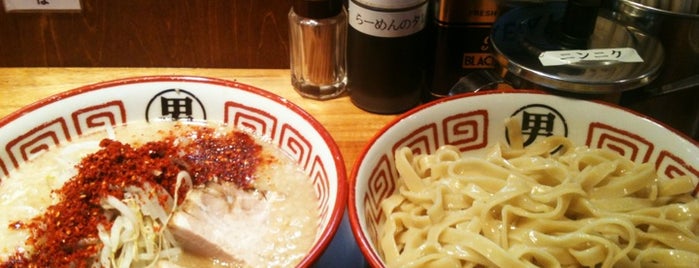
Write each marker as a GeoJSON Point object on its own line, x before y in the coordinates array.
{"type": "Point", "coordinates": [61, 119]}
{"type": "Point", "coordinates": [472, 124]}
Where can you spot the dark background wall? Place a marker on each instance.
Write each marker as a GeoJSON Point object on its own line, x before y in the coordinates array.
{"type": "Point", "coordinates": [150, 33]}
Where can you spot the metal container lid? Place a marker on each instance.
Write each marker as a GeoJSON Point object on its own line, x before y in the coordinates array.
{"type": "Point", "coordinates": [317, 9]}
{"type": "Point", "coordinates": [531, 43]}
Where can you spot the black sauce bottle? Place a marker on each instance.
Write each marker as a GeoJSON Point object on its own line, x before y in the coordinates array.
{"type": "Point", "coordinates": [460, 41]}
{"type": "Point", "coordinates": [386, 54]}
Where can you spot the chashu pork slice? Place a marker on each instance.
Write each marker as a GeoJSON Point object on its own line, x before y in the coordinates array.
{"type": "Point", "coordinates": [223, 222]}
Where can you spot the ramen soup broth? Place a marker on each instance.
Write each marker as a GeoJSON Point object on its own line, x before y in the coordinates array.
{"type": "Point", "coordinates": [279, 239]}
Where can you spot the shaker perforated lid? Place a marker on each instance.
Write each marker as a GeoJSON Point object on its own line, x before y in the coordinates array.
{"type": "Point", "coordinates": [537, 44]}
{"type": "Point", "coordinates": [317, 9]}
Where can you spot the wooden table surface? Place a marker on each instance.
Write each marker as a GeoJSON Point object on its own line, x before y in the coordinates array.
{"type": "Point", "coordinates": [350, 126]}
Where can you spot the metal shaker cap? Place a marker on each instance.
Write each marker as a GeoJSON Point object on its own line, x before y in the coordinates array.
{"type": "Point", "coordinates": [317, 9]}
{"type": "Point", "coordinates": [613, 59]}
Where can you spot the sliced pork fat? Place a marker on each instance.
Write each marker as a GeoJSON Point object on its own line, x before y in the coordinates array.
{"type": "Point", "coordinates": [223, 222]}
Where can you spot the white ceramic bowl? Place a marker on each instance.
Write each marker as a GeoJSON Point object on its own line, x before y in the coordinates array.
{"type": "Point", "coordinates": [27, 132]}
{"type": "Point", "coordinates": [472, 122]}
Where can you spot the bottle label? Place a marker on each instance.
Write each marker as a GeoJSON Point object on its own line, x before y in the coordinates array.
{"type": "Point", "coordinates": [387, 23]}
{"type": "Point", "coordinates": [565, 57]}
{"type": "Point", "coordinates": [466, 11]}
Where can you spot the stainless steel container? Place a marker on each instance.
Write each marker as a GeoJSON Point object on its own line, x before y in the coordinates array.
{"type": "Point", "coordinates": [662, 85]}
{"type": "Point", "coordinates": [674, 96]}
{"type": "Point", "coordinates": [590, 45]}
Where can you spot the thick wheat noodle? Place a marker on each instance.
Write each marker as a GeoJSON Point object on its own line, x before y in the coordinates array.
{"type": "Point", "coordinates": [550, 204]}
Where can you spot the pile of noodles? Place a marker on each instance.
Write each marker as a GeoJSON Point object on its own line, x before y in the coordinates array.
{"type": "Point", "coordinates": [139, 235]}
{"type": "Point", "coordinates": [551, 204]}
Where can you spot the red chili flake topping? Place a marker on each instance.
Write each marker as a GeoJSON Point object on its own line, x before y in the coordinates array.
{"type": "Point", "coordinates": [66, 235]}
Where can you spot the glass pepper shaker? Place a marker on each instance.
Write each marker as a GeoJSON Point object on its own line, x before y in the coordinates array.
{"type": "Point", "coordinates": [318, 34]}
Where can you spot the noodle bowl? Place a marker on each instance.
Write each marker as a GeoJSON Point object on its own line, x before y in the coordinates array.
{"type": "Point", "coordinates": [450, 184]}
{"type": "Point", "coordinates": [210, 213]}
{"type": "Point", "coordinates": [142, 229]}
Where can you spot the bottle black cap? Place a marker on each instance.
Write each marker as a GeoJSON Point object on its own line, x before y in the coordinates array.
{"type": "Point", "coordinates": [317, 9]}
